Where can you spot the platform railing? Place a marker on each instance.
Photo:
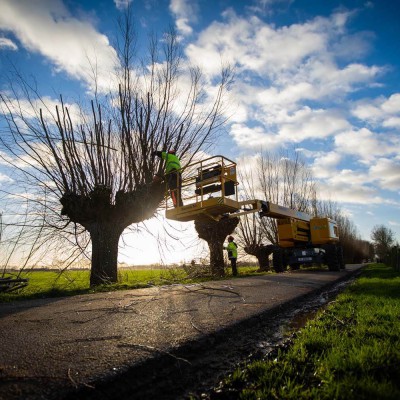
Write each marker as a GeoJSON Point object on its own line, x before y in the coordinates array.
{"type": "Point", "coordinates": [212, 177]}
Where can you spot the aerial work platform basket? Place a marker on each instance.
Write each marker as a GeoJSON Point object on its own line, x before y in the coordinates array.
{"type": "Point", "coordinates": [208, 190]}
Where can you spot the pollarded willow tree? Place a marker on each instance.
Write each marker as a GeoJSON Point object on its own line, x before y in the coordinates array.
{"type": "Point", "coordinates": [215, 233]}
{"type": "Point", "coordinates": [97, 163]}
{"type": "Point", "coordinates": [251, 234]}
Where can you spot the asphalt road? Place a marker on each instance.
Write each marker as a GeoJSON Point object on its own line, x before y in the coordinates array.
{"type": "Point", "coordinates": [79, 347]}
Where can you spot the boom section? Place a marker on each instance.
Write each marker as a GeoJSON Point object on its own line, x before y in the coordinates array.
{"type": "Point", "coordinates": [272, 210]}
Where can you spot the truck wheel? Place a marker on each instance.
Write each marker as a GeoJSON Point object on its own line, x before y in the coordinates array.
{"type": "Point", "coordinates": [278, 261]}
{"type": "Point", "coordinates": [331, 255]}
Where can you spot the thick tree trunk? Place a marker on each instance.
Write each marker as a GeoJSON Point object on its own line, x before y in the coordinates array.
{"type": "Point", "coordinates": [105, 238]}
{"type": "Point", "coordinates": [217, 258]}
{"type": "Point", "coordinates": [263, 261]}
{"type": "Point", "coordinates": [214, 233]}
{"type": "Point", "coordinates": [105, 220]}
{"type": "Point", "coordinates": [262, 253]}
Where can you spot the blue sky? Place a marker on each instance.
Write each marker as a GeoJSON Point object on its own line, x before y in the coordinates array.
{"type": "Point", "coordinates": [319, 76]}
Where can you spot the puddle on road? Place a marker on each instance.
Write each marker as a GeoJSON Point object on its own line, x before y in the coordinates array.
{"type": "Point", "coordinates": [301, 316]}
{"type": "Point", "coordinates": [300, 320]}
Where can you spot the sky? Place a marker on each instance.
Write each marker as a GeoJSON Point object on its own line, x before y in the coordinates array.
{"type": "Point", "coordinates": [321, 77]}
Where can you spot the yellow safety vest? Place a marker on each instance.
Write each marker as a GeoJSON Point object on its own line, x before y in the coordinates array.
{"type": "Point", "coordinates": [172, 162]}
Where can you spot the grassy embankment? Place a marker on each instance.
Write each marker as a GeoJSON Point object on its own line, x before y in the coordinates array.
{"type": "Point", "coordinates": [351, 350]}
{"type": "Point", "coordinates": [72, 282]}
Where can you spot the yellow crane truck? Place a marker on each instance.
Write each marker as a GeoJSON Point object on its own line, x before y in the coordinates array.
{"type": "Point", "coordinates": [209, 190]}
{"type": "Point", "coordinates": [303, 239]}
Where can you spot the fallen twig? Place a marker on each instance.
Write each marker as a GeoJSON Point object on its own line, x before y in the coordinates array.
{"type": "Point", "coordinates": [195, 327]}
{"type": "Point", "coordinates": [203, 287]}
{"type": "Point", "coordinates": [155, 349]}
{"type": "Point", "coordinates": [71, 378]}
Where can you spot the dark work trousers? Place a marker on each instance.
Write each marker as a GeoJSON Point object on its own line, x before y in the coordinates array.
{"type": "Point", "coordinates": [174, 185]}
{"type": "Point", "coordinates": [234, 267]}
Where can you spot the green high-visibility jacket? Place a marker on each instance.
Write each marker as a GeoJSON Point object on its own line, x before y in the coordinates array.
{"type": "Point", "coordinates": [232, 250]}
{"type": "Point", "coordinates": [172, 161]}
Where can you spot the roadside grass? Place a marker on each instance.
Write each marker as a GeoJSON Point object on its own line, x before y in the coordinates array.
{"type": "Point", "coordinates": [351, 350]}
{"type": "Point", "coordinates": [48, 283]}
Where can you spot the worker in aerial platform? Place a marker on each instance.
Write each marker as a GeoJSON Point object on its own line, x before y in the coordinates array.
{"type": "Point", "coordinates": [173, 174]}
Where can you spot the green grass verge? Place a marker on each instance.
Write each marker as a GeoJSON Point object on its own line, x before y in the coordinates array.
{"type": "Point", "coordinates": [43, 284]}
{"type": "Point", "coordinates": [351, 350]}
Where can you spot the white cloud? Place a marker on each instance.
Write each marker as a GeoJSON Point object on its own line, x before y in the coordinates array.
{"type": "Point", "coordinates": [356, 186]}
{"type": "Point", "coordinates": [122, 4]}
{"type": "Point", "coordinates": [387, 173]}
{"type": "Point", "coordinates": [392, 105]}
{"type": "Point", "coordinates": [282, 73]}
{"type": "Point", "coordinates": [7, 44]}
{"type": "Point", "coordinates": [348, 176]}
{"type": "Point", "coordinates": [265, 7]}
{"type": "Point", "coordinates": [325, 163]}
{"type": "Point", "coordinates": [282, 128]}
{"type": "Point", "coordinates": [70, 44]}
{"type": "Point", "coordinates": [254, 138]}
{"type": "Point", "coordinates": [348, 187]}
{"type": "Point", "coordinates": [10, 161]}
{"type": "Point", "coordinates": [367, 111]}
{"type": "Point", "coordinates": [254, 45]}
{"type": "Point", "coordinates": [31, 108]}
{"type": "Point", "coordinates": [310, 124]}
{"type": "Point", "coordinates": [4, 178]}
{"type": "Point", "coordinates": [381, 111]}
{"type": "Point", "coordinates": [185, 12]}
{"type": "Point", "coordinates": [366, 144]}
{"type": "Point", "coordinates": [394, 223]}
{"type": "Point", "coordinates": [352, 74]}
{"type": "Point", "coordinates": [279, 52]}
{"type": "Point", "coordinates": [392, 122]}
{"type": "Point", "coordinates": [285, 98]}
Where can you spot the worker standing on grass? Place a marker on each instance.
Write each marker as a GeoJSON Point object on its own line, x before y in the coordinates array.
{"type": "Point", "coordinates": [172, 174]}
{"type": "Point", "coordinates": [232, 254]}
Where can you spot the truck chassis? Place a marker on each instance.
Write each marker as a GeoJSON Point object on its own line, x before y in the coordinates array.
{"type": "Point", "coordinates": [294, 257]}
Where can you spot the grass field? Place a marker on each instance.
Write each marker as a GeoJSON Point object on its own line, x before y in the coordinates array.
{"type": "Point", "coordinates": [47, 283]}
{"type": "Point", "coordinates": [351, 350]}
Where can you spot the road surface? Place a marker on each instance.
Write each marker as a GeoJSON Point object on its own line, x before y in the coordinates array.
{"type": "Point", "coordinates": [125, 344]}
